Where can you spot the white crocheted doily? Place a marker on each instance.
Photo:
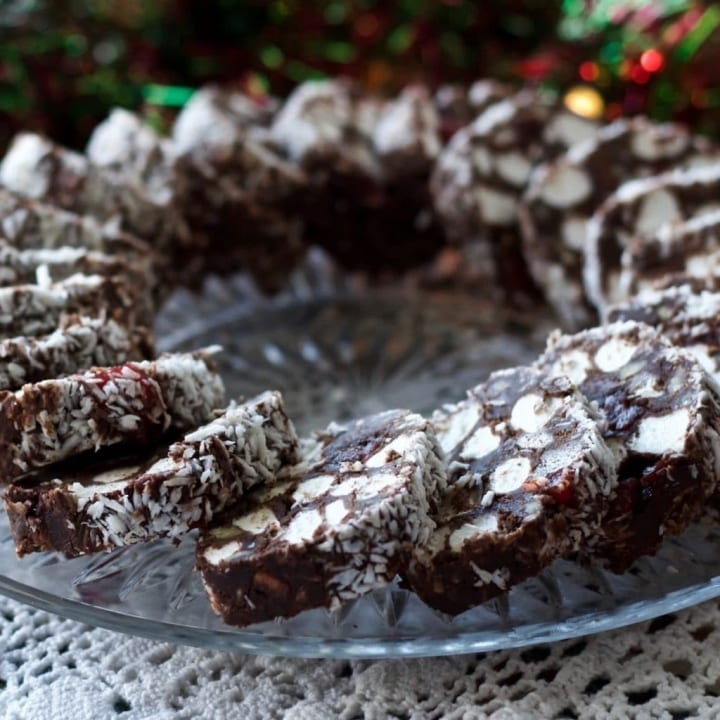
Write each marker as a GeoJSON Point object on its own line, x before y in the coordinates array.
{"type": "Point", "coordinates": [667, 669]}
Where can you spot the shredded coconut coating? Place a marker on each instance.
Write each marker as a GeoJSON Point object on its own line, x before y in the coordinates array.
{"type": "Point", "coordinates": [165, 494]}
{"type": "Point", "coordinates": [36, 168]}
{"type": "Point", "coordinates": [337, 528]}
{"type": "Point", "coordinates": [34, 310]}
{"type": "Point", "coordinates": [641, 209]}
{"type": "Point", "coordinates": [661, 417]}
{"type": "Point", "coordinates": [214, 118]}
{"type": "Point", "coordinates": [563, 195]}
{"type": "Point", "coordinates": [529, 478]}
{"type": "Point", "coordinates": [45, 266]}
{"type": "Point", "coordinates": [406, 137]}
{"type": "Point", "coordinates": [133, 403]}
{"type": "Point", "coordinates": [32, 224]}
{"type": "Point", "coordinates": [328, 123]}
{"type": "Point", "coordinates": [79, 343]}
{"type": "Point", "coordinates": [130, 148]}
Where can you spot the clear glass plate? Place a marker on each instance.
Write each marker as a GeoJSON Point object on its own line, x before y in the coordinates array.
{"type": "Point", "coordinates": [338, 349]}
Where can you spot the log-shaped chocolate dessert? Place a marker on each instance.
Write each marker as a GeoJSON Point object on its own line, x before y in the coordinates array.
{"type": "Point", "coordinates": [661, 416]}
{"type": "Point", "coordinates": [135, 403]}
{"type": "Point", "coordinates": [90, 507]}
{"type": "Point", "coordinates": [79, 343]}
{"type": "Point", "coordinates": [641, 208]}
{"type": "Point", "coordinates": [339, 527]}
{"type": "Point", "coordinates": [481, 174]}
{"type": "Point", "coordinates": [563, 195]}
{"type": "Point", "coordinates": [529, 477]}
{"type": "Point", "coordinates": [36, 168]}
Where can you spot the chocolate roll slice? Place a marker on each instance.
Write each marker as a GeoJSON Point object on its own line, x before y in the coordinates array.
{"type": "Point", "coordinates": [135, 404]}
{"type": "Point", "coordinates": [79, 343]}
{"type": "Point", "coordinates": [563, 195]}
{"type": "Point", "coordinates": [529, 477]}
{"type": "Point", "coordinates": [660, 414]}
{"type": "Point", "coordinates": [482, 173]}
{"type": "Point", "coordinates": [458, 105]}
{"type": "Point", "coordinates": [36, 168]}
{"type": "Point", "coordinates": [35, 310]}
{"type": "Point", "coordinates": [639, 209]}
{"type": "Point", "coordinates": [91, 507]}
{"type": "Point", "coordinates": [688, 319]}
{"type": "Point", "coordinates": [32, 224]}
{"type": "Point", "coordinates": [45, 266]}
{"type": "Point", "coordinates": [677, 253]}
{"type": "Point", "coordinates": [128, 147]}
{"type": "Point", "coordinates": [337, 528]}
{"type": "Point", "coordinates": [244, 199]}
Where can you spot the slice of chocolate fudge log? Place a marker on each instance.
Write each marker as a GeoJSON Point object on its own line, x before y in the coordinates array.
{"type": "Point", "coordinates": [661, 416]}
{"type": "Point", "coordinates": [688, 318]}
{"type": "Point", "coordinates": [563, 195]}
{"type": "Point", "coordinates": [641, 208]}
{"type": "Point", "coordinates": [35, 310]}
{"type": "Point", "coordinates": [407, 141]}
{"type": "Point", "coordinates": [529, 479]}
{"type": "Point", "coordinates": [217, 117]}
{"type": "Point", "coordinates": [458, 105]}
{"type": "Point", "coordinates": [46, 265]}
{"type": "Point", "coordinates": [36, 168]}
{"type": "Point", "coordinates": [127, 146]}
{"type": "Point", "coordinates": [244, 200]}
{"type": "Point", "coordinates": [481, 174]}
{"type": "Point", "coordinates": [135, 403]}
{"type": "Point", "coordinates": [677, 253]}
{"type": "Point", "coordinates": [34, 225]}
{"type": "Point", "coordinates": [134, 279]}
{"type": "Point", "coordinates": [326, 128]}
{"type": "Point", "coordinates": [340, 526]}
{"type": "Point", "coordinates": [82, 507]}
{"type": "Point", "coordinates": [79, 343]}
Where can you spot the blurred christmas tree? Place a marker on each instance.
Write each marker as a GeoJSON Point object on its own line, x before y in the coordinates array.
{"type": "Point", "coordinates": [63, 63]}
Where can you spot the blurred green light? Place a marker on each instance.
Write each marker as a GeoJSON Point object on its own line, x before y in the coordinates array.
{"type": "Point", "coordinates": [699, 34]}
{"type": "Point", "coordinates": [339, 52]}
{"type": "Point", "coordinates": [167, 95]}
{"type": "Point", "coordinates": [272, 56]}
{"type": "Point", "coordinates": [335, 13]}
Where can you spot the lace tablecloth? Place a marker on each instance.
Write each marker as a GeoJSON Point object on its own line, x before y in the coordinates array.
{"type": "Point", "coordinates": [666, 669]}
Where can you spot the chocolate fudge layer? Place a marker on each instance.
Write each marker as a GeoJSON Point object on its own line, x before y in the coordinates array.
{"type": "Point", "coordinates": [529, 477]}
{"type": "Point", "coordinates": [36, 168]}
{"type": "Point", "coordinates": [135, 404]}
{"type": "Point", "coordinates": [86, 508]}
{"type": "Point", "coordinates": [661, 416]}
{"type": "Point", "coordinates": [482, 173]}
{"type": "Point", "coordinates": [638, 209]}
{"type": "Point", "coordinates": [563, 195]}
{"type": "Point", "coordinates": [79, 342]}
{"type": "Point", "coordinates": [339, 527]}
{"type": "Point", "coordinates": [35, 310]}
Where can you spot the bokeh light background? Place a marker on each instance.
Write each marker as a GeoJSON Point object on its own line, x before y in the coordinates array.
{"type": "Point", "coordinates": [64, 63]}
